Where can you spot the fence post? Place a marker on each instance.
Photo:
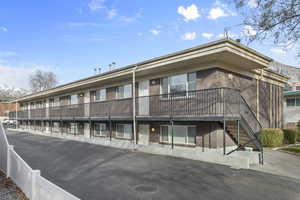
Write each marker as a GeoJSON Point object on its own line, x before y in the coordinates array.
{"type": "Point", "coordinates": [9, 149]}
{"type": "Point", "coordinates": [35, 174]}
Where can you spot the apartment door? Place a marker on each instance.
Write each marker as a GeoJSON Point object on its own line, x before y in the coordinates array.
{"type": "Point", "coordinates": [143, 100]}
{"type": "Point", "coordinates": [143, 134]}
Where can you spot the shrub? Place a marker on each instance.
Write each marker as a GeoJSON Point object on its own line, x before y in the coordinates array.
{"type": "Point", "coordinates": [290, 136]}
{"type": "Point", "coordinates": [271, 137]}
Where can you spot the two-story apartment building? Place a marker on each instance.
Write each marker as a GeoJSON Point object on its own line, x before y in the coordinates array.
{"type": "Point", "coordinates": [212, 96]}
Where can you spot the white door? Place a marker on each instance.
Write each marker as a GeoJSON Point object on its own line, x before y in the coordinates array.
{"type": "Point", "coordinates": [143, 134]}
{"type": "Point", "coordinates": [143, 98]}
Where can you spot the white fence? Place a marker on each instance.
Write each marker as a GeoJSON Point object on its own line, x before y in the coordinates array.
{"type": "Point", "coordinates": [30, 181]}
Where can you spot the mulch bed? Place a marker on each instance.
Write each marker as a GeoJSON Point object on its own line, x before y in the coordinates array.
{"type": "Point", "coordinates": [9, 190]}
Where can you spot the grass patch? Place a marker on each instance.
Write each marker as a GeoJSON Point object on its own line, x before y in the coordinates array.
{"type": "Point", "coordinates": [294, 150]}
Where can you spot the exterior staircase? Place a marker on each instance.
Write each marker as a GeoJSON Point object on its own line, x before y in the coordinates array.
{"type": "Point", "coordinates": [244, 131]}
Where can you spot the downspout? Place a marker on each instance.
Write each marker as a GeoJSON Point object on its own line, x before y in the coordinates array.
{"type": "Point", "coordinates": [134, 108]}
{"type": "Point", "coordinates": [16, 114]}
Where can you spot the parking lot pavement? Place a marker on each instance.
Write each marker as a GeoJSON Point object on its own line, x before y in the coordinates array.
{"type": "Point", "coordinates": [94, 172]}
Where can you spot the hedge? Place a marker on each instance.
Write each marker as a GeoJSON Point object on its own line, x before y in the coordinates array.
{"type": "Point", "coordinates": [290, 136]}
{"type": "Point", "coordinates": [271, 137]}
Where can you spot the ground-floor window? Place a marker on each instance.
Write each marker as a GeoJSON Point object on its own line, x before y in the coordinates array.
{"type": "Point", "coordinates": [72, 128]}
{"type": "Point", "coordinates": [182, 134]}
{"type": "Point", "coordinates": [100, 129]}
{"type": "Point", "coordinates": [124, 131]}
{"type": "Point", "coordinates": [56, 127]}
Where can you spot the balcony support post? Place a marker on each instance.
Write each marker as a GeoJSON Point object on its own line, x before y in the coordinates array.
{"type": "Point", "coordinates": [224, 137]}
{"type": "Point", "coordinates": [91, 128]}
{"type": "Point", "coordinates": [134, 109]}
{"type": "Point", "coordinates": [238, 132]}
{"type": "Point", "coordinates": [61, 127]}
{"type": "Point", "coordinates": [172, 128]}
{"type": "Point", "coordinates": [16, 114]}
{"type": "Point", "coordinates": [110, 129]}
{"type": "Point", "coordinates": [50, 124]}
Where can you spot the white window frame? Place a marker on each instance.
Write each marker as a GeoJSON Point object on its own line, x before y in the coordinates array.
{"type": "Point", "coordinates": [73, 128]}
{"type": "Point", "coordinates": [187, 91]}
{"type": "Point", "coordinates": [102, 133]}
{"type": "Point", "coordinates": [102, 95]}
{"type": "Point", "coordinates": [124, 133]}
{"type": "Point", "coordinates": [74, 99]}
{"type": "Point", "coordinates": [125, 95]}
{"type": "Point", "coordinates": [56, 128]}
{"type": "Point", "coordinates": [169, 127]}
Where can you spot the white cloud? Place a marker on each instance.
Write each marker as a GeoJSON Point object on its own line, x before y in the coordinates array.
{"type": "Point", "coordinates": [216, 13]}
{"type": "Point", "coordinates": [278, 51]}
{"type": "Point", "coordinates": [189, 36]}
{"type": "Point", "coordinates": [111, 13]}
{"type": "Point", "coordinates": [17, 76]}
{"type": "Point", "coordinates": [220, 10]}
{"type": "Point", "coordinates": [96, 4]}
{"type": "Point", "coordinates": [155, 32]}
{"type": "Point", "coordinates": [4, 29]}
{"type": "Point", "coordinates": [189, 13]}
{"type": "Point", "coordinates": [252, 3]}
{"type": "Point", "coordinates": [229, 34]}
{"type": "Point", "coordinates": [207, 35]}
{"type": "Point", "coordinates": [249, 31]}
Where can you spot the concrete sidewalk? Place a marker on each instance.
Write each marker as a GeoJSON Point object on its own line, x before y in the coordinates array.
{"type": "Point", "coordinates": [94, 172]}
{"type": "Point", "coordinates": [280, 163]}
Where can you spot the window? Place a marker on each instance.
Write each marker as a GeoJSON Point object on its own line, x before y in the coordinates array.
{"type": "Point", "coordinates": [124, 91]}
{"type": "Point", "coordinates": [56, 102]}
{"type": "Point", "coordinates": [73, 128]}
{"type": "Point", "coordinates": [100, 95]}
{"type": "Point", "coordinates": [178, 85]}
{"type": "Point", "coordinates": [297, 87]}
{"type": "Point", "coordinates": [124, 131]}
{"type": "Point", "coordinates": [100, 129]}
{"type": "Point", "coordinates": [293, 102]}
{"type": "Point", "coordinates": [56, 126]}
{"type": "Point", "coordinates": [182, 134]}
{"type": "Point", "coordinates": [297, 101]}
{"type": "Point", "coordinates": [74, 99]}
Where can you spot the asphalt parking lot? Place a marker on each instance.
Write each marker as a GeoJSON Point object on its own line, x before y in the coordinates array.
{"type": "Point", "coordinates": [93, 172]}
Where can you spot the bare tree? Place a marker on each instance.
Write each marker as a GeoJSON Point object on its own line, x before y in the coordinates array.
{"type": "Point", "coordinates": [42, 80]}
{"type": "Point", "coordinates": [275, 20]}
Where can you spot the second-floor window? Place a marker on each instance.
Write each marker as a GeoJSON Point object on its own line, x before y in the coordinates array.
{"type": "Point", "coordinates": [54, 102]}
{"type": "Point", "coordinates": [124, 91]}
{"type": "Point", "coordinates": [100, 95]}
{"type": "Point", "coordinates": [74, 99]}
{"type": "Point", "coordinates": [178, 85]}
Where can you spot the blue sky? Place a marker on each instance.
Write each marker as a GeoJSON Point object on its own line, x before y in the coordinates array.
{"type": "Point", "coordinates": [71, 37]}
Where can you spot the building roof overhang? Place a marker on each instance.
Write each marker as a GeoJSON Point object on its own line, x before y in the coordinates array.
{"type": "Point", "coordinates": [225, 50]}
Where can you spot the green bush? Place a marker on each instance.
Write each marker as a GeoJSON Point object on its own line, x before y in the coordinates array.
{"type": "Point", "coordinates": [271, 137]}
{"type": "Point", "coordinates": [290, 136]}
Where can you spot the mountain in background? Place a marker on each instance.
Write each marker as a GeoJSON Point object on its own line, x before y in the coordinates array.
{"type": "Point", "coordinates": [288, 70]}
{"type": "Point", "coordinates": [8, 93]}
